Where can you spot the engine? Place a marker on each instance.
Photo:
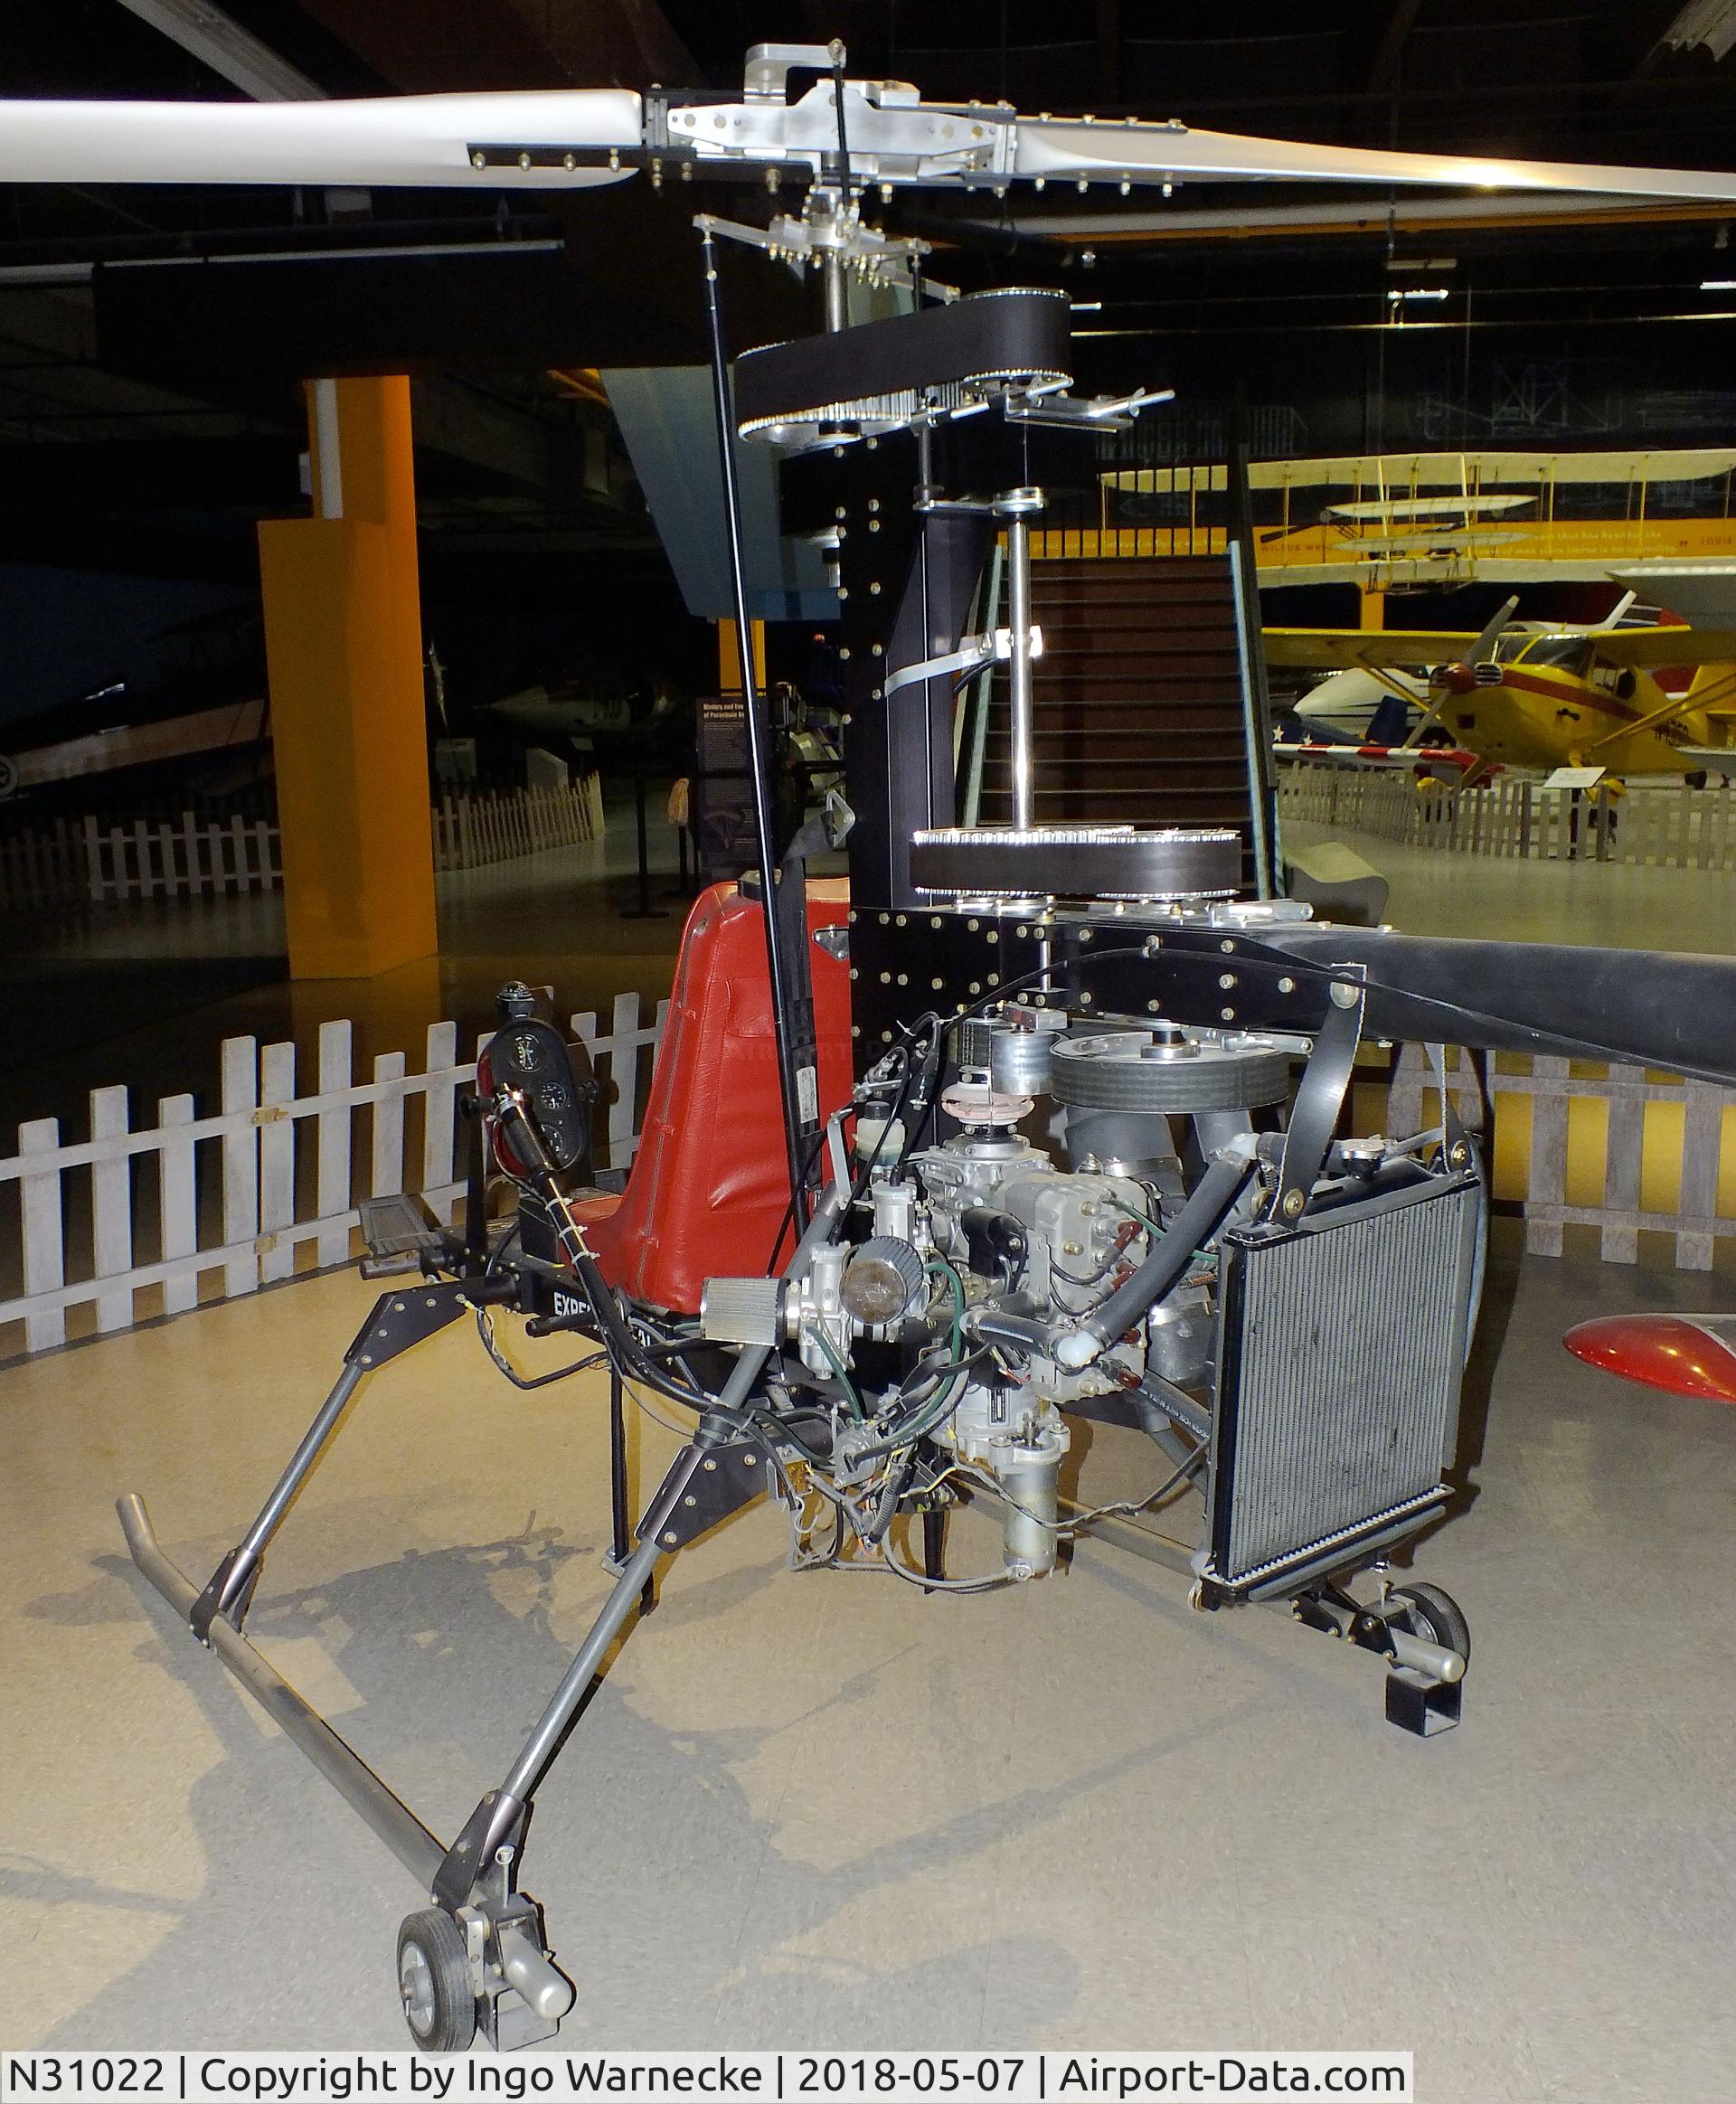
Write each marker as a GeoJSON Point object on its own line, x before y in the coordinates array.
{"type": "Point", "coordinates": [1023, 1267]}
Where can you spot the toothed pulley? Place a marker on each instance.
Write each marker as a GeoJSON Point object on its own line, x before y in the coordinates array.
{"type": "Point", "coordinates": [1170, 1070]}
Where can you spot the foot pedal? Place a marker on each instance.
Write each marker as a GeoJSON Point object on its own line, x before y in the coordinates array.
{"type": "Point", "coordinates": [400, 1231]}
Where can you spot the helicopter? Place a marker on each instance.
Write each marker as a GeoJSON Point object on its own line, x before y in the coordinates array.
{"type": "Point", "coordinates": [1036, 1124]}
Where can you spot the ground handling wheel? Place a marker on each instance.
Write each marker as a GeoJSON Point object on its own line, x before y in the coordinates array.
{"type": "Point", "coordinates": [1414, 1702]}
{"type": "Point", "coordinates": [434, 1981]}
{"type": "Point", "coordinates": [1435, 1616]}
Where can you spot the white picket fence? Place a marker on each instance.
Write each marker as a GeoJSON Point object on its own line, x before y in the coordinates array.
{"type": "Point", "coordinates": [76, 859]}
{"type": "Point", "coordinates": [1663, 825]}
{"type": "Point", "coordinates": [238, 1198]}
{"type": "Point", "coordinates": [44, 865]}
{"type": "Point", "coordinates": [188, 861]}
{"type": "Point", "coordinates": [474, 830]}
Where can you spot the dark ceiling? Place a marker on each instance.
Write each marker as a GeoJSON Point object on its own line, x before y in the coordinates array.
{"type": "Point", "coordinates": [187, 422]}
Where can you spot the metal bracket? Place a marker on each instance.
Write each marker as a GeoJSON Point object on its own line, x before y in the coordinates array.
{"type": "Point", "coordinates": [1321, 1096]}
{"type": "Point", "coordinates": [973, 652]}
{"type": "Point", "coordinates": [401, 1320]}
{"type": "Point", "coordinates": [473, 1872]}
{"type": "Point", "coordinates": [705, 1483]}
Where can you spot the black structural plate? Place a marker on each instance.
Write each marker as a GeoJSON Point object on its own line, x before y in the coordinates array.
{"type": "Point", "coordinates": [705, 1483]}
{"type": "Point", "coordinates": [989, 337]}
{"type": "Point", "coordinates": [1677, 1012]}
{"type": "Point", "coordinates": [1080, 862]}
{"type": "Point", "coordinates": [401, 1320]}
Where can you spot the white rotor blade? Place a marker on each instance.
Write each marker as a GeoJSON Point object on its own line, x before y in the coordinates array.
{"type": "Point", "coordinates": [1066, 147]}
{"type": "Point", "coordinates": [409, 139]}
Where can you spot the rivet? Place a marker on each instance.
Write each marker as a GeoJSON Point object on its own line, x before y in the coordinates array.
{"type": "Point", "coordinates": [1286, 985]}
{"type": "Point", "coordinates": [1229, 1014]}
{"type": "Point", "coordinates": [1226, 980]}
{"type": "Point", "coordinates": [936, 984]}
{"type": "Point", "coordinates": [690, 1501]}
{"type": "Point", "coordinates": [710, 1467]}
{"type": "Point", "coordinates": [670, 1539]}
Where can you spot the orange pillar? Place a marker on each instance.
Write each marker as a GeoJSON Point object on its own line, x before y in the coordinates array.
{"type": "Point", "coordinates": [728, 656]}
{"type": "Point", "coordinates": [343, 656]}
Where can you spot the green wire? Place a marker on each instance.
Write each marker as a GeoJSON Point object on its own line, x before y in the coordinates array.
{"type": "Point", "coordinates": [1133, 1213]}
{"type": "Point", "coordinates": [938, 1266]}
{"type": "Point", "coordinates": [817, 1331]}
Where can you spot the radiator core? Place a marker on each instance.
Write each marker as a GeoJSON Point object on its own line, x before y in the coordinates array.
{"type": "Point", "coordinates": [1341, 1349]}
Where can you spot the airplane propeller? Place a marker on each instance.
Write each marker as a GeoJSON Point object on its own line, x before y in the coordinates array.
{"type": "Point", "coordinates": [577, 138]}
{"type": "Point", "coordinates": [1459, 678]}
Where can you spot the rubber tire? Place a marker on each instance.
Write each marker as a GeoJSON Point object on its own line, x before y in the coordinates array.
{"type": "Point", "coordinates": [436, 1938]}
{"type": "Point", "coordinates": [1436, 1617]}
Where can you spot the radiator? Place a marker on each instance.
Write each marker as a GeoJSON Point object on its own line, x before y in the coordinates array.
{"type": "Point", "coordinates": [1340, 1347]}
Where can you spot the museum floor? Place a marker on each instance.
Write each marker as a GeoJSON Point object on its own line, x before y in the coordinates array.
{"type": "Point", "coordinates": [818, 1809]}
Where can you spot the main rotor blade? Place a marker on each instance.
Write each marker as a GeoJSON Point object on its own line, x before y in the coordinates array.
{"type": "Point", "coordinates": [1058, 148]}
{"type": "Point", "coordinates": [409, 139]}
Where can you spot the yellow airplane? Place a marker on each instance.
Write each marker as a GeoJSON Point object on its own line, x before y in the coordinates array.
{"type": "Point", "coordinates": [1529, 694]}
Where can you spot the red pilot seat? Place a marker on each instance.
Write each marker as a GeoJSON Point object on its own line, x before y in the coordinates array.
{"type": "Point", "coordinates": [710, 1180]}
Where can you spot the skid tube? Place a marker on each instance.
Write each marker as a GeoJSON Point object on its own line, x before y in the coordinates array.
{"type": "Point", "coordinates": [520, 1994]}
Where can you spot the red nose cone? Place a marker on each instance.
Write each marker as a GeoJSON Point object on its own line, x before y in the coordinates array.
{"type": "Point", "coordinates": [1686, 1354]}
{"type": "Point", "coordinates": [1458, 679]}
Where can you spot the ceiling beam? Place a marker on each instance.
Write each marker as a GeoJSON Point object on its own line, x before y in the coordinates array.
{"type": "Point", "coordinates": [235, 54]}
{"type": "Point", "coordinates": [1388, 56]}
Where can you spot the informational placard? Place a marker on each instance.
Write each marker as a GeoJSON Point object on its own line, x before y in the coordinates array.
{"type": "Point", "coordinates": [1575, 778]}
{"type": "Point", "coordinates": [723, 789]}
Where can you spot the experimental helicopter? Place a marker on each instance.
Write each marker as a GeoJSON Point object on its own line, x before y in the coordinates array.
{"type": "Point", "coordinates": [1283, 1309]}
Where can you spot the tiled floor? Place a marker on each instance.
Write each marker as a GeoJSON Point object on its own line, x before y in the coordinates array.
{"type": "Point", "coordinates": [829, 1809]}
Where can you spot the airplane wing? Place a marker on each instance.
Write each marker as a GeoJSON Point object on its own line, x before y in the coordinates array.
{"type": "Point", "coordinates": [1673, 645]}
{"type": "Point", "coordinates": [1350, 648]}
{"type": "Point", "coordinates": [1396, 758]}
